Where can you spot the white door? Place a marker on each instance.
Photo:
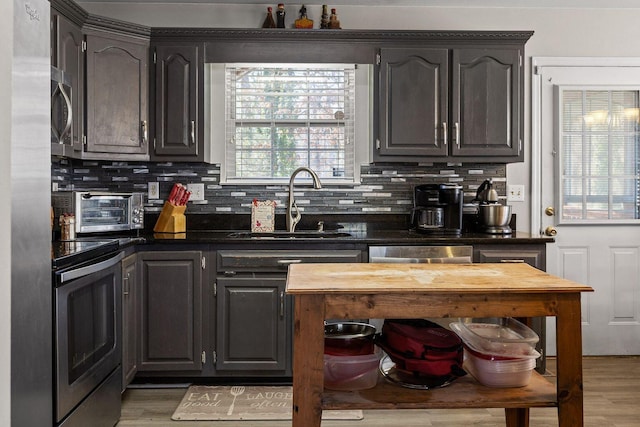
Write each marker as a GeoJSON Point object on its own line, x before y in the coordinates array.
{"type": "Point", "coordinates": [589, 192]}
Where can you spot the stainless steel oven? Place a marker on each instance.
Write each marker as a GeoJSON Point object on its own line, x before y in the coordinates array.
{"type": "Point", "coordinates": [87, 347]}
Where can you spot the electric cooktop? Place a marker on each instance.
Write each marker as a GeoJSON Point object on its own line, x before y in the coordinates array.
{"type": "Point", "coordinates": [68, 253]}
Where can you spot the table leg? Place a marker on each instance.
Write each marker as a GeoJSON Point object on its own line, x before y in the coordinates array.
{"type": "Point", "coordinates": [517, 417]}
{"type": "Point", "coordinates": [308, 354]}
{"type": "Point", "coordinates": [569, 361]}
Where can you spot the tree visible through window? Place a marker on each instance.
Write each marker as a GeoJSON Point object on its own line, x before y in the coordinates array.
{"type": "Point", "coordinates": [599, 155]}
{"type": "Point", "coordinates": [280, 117]}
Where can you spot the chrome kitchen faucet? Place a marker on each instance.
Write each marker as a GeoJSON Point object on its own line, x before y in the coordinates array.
{"type": "Point", "coordinates": [293, 220]}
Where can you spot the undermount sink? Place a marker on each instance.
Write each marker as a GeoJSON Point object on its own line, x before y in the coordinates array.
{"type": "Point", "coordinates": [288, 235]}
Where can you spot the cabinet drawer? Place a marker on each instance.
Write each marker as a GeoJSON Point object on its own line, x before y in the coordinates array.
{"type": "Point", "coordinates": [279, 260]}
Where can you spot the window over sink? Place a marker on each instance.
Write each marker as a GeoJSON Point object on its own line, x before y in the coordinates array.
{"type": "Point", "coordinates": [264, 121]}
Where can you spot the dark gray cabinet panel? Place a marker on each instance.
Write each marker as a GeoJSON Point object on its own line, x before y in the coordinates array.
{"type": "Point", "coordinates": [534, 255]}
{"type": "Point", "coordinates": [252, 320]}
{"type": "Point", "coordinates": [413, 101]}
{"type": "Point", "coordinates": [471, 111]}
{"type": "Point", "coordinates": [117, 94]}
{"type": "Point", "coordinates": [485, 106]}
{"type": "Point", "coordinates": [171, 311]}
{"type": "Point", "coordinates": [68, 55]}
{"type": "Point", "coordinates": [129, 320]}
{"type": "Point", "coordinates": [178, 125]}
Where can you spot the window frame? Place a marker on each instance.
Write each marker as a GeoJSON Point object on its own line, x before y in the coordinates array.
{"type": "Point", "coordinates": [215, 123]}
{"type": "Point", "coordinates": [559, 176]}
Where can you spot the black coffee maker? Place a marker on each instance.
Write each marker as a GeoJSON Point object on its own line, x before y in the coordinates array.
{"type": "Point", "coordinates": [437, 209]}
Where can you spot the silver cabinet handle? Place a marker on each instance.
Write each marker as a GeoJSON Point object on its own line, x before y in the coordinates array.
{"type": "Point", "coordinates": [514, 261]}
{"type": "Point", "coordinates": [444, 132]}
{"type": "Point", "coordinates": [125, 285]}
{"type": "Point", "coordinates": [145, 132]}
{"type": "Point", "coordinates": [281, 305]}
{"type": "Point", "coordinates": [456, 125]}
{"type": "Point", "coordinates": [192, 131]}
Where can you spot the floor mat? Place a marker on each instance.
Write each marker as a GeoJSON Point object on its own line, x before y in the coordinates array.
{"type": "Point", "coordinates": [210, 403]}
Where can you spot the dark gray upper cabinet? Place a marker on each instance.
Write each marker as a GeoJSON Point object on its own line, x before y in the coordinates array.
{"type": "Point", "coordinates": [171, 310]}
{"type": "Point", "coordinates": [117, 97]}
{"type": "Point", "coordinates": [413, 101]}
{"type": "Point", "coordinates": [471, 111]}
{"type": "Point", "coordinates": [486, 103]}
{"type": "Point", "coordinates": [67, 54]}
{"type": "Point", "coordinates": [179, 133]}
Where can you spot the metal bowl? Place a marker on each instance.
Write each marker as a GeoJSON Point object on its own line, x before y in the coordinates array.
{"type": "Point", "coordinates": [348, 338]}
{"type": "Point", "coordinates": [494, 215]}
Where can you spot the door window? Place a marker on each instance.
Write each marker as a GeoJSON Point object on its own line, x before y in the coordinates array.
{"type": "Point", "coordinates": [597, 148]}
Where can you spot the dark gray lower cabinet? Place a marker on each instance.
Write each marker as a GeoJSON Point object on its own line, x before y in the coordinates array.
{"type": "Point", "coordinates": [532, 254]}
{"type": "Point", "coordinates": [254, 316]}
{"type": "Point", "coordinates": [129, 320]}
{"type": "Point", "coordinates": [171, 311]}
{"type": "Point", "coordinates": [253, 324]}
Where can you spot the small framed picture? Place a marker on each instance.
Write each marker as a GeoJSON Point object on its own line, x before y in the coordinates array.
{"type": "Point", "coordinates": [263, 216]}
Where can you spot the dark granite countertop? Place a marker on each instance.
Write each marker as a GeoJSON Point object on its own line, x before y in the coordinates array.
{"type": "Point", "coordinates": [368, 230]}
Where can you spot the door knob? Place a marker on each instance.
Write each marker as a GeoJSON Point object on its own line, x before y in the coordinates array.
{"type": "Point", "coordinates": [549, 211]}
{"type": "Point", "coordinates": [550, 231]}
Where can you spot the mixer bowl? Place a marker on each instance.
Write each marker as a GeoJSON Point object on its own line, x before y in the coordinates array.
{"type": "Point", "coordinates": [494, 215]}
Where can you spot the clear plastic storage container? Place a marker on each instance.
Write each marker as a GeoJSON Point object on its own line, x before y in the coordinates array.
{"type": "Point", "coordinates": [498, 372]}
{"type": "Point", "coordinates": [504, 337]}
{"type": "Point", "coordinates": [351, 372]}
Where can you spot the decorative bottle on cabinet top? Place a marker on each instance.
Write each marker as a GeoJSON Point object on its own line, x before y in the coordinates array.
{"type": "Point", "coordinates": [280, 15]}
{"type": "Point", "coordinates": [324, 22]}
{"type": "Point", "coordinates": [303, 22]}
{"type": "Point", "coordinates": [268, 21]}
{"type": "Point", "coordinates": [334, 23]}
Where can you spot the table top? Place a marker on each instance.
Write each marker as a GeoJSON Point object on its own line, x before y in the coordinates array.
{"type": "Point", "coordinates": [374, 278]}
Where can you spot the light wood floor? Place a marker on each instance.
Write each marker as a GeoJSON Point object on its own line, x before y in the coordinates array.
{"type": "Point", "coordinates": [611, 399]}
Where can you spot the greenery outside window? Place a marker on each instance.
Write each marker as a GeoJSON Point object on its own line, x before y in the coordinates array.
{"type": "Point", "coordinates": [599, 155]}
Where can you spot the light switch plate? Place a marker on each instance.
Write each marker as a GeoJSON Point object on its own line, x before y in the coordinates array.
{"type": "Point", "coordinates": [515, 193]}
{"type": "Point", "coordinates": [153, 190]}
{"type": "Point", "coordinates": [197, 191]}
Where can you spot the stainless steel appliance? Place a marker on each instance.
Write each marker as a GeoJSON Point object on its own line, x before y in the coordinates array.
{"type": "Point", "coordinates": [87, 333]}
{"type": "Point", "coordinates": [437, 209]}
{"type": "Point", "coordinates": [492, 217]}
{"type": "Point", "coordinates": [99, 212]}
{"type": "Point", "coordinates": [61, 113]}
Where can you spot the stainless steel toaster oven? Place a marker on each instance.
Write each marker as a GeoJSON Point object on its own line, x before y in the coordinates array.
{"type": "Point", "coordinates": [99, 212]}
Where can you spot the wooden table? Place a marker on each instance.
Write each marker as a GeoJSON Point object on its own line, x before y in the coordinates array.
{"type": "Point", "coordinates": [356, 291]}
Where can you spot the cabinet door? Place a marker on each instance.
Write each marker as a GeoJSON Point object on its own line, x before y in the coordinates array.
{"type": "Point", "coordinates": [485, 103]}
{"type": "Point", "coordinates": [171, 311]}
{"type": "Point", "coordinates": [177, 125]}
{"type": "Point", "coordinates": [252, 314]}
{"type": "Point", "coordinates": [68, 52]}
{"type": "Point", "coordinates": [412, 100]}
{"type": "Point", "coordinates": [117, 116]}
{"type": "Point", "coordinates": [129, 320]}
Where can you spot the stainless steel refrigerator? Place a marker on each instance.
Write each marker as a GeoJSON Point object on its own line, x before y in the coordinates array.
{"type": "Point", "coordinates": [27, 197]}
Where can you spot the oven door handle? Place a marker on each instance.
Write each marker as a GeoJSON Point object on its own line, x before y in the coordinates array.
{"type": "Point", "coordinates": [90, 269]}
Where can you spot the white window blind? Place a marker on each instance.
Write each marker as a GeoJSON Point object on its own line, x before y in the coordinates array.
{"type": "Point", "coordinates": [281, 116]}
{"type": "Point", "coordinates": [599, 155]}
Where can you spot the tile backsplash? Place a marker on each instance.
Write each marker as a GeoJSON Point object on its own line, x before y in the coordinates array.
{"type": "Point", "coordinates": [384, 188]}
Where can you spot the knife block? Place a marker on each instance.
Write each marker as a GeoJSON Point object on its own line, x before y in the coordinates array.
{"type": "Point", "coordinates": [171, 219]}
